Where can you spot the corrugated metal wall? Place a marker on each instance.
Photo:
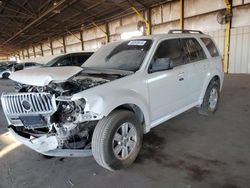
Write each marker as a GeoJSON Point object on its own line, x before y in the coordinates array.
{"type": "Point", "coordinates": [199, 15]}
{"type": "Point", "coordinates": [239, 55]}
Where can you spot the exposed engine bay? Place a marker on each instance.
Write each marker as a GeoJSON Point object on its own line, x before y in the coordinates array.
{"type": "Point", "coordinates": [68, 121]}
{"type": "Point", "coordinates": [67, 88]}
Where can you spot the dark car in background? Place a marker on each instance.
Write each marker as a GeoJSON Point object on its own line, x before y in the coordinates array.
{"type": "Point", "coordinates": [26, 65]}
{"type": "Point", "coordinates": [71, 59]}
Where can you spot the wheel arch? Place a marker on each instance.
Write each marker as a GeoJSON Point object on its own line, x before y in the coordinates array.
{"type": "Point", "coordinates": [210, 80]}
{"type": "Point", "coordinates": [6, 73]}
{"type": "Point", "coordinates": [139, 113]}
{"type": "Point", "coordinates": [216, 78]}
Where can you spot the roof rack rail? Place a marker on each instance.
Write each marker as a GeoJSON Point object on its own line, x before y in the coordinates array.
{"type": "Point", "coordinates": [183, 31]}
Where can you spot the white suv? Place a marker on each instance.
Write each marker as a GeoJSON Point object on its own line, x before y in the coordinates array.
{"type": "Point", "coordinates": [121, 92]}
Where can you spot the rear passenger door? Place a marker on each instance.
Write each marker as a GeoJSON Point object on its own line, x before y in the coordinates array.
{"type": "Point", "coordinates": [197, 64]}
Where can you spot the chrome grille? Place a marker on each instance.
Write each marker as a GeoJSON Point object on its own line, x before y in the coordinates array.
{"type": "Point", "coordinates": [28, 103]}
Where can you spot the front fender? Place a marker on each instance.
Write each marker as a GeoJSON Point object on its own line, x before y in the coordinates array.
{"type": "Point", "coordinates": [103, 104]}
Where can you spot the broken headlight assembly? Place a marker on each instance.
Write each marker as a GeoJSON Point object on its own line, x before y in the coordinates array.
{"type": "Point", "coordinates": [69, 111]}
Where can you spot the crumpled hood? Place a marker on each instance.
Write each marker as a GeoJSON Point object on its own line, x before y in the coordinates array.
{"type": "Point", "coordinates": [44, 75]}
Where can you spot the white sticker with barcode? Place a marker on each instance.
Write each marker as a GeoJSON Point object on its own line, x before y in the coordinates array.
{"type": "Point", "coordinates": [137, 42]}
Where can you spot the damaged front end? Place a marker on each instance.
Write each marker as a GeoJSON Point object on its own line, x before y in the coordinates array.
{"type": "Point", "coordinates": [45, 118]}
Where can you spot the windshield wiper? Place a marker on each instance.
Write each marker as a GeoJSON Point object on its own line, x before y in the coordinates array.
{"type": "Point", "coordinates": [107, 71]}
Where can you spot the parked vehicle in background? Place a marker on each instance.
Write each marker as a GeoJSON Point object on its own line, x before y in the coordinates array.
{"type": "Point", "coordinates": [121, 92]}
{"type": "Point", "coordinates": [6, 68]}
{"type": "Point", "coordinates": [26, 65]}
{"type": "Point", "coordinates": [4, 63]}
{"type": "Point", "coordinates": [70, 59]}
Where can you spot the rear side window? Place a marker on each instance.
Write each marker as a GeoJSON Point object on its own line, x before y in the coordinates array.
{"type": "Point", "coordinates": [80, 59]}
{"type": "Point", "coordinates": [29, 64]}
{"type": "Point", "coordinates": [210, 46]}
{"type": "Point", "coordinates": [170, 49]}
{"type": "Point", "coordinates": [193, 50]}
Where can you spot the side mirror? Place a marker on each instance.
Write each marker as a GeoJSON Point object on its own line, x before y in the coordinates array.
{"type": "Point", "coordinates": [161, 64]}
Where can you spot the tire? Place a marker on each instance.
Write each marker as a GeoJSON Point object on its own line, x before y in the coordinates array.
{"type": "Point", "coordinates": [6, 75]}
{"type": "Point", "coordinates": [104, 142]}
{"type": "Point", "coordinates": [211, 99]}
{"type": "Point", "coordinates": [46, 156]}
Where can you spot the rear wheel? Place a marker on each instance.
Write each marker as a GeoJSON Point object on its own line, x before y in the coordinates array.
{"type": "Point", "coordinates": [211, 99]}
{"type": "Point", "coordinates": [117, 140]}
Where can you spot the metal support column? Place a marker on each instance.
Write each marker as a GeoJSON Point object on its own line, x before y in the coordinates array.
{"type": "Point", "coordinates": [41, 46]}
{"type": "Point", "coordinates": [23, 54]}
{"type": "Point", "coordinates": [146, 21]}
{"type": "Point", "coordinates": [181, 14]}
{"type": "Point", "coordinates": [227, 34]}
{"type": "Point", "coordinates": [34, 51]}
{"type": "Point", "coordinates": [51, 47]}
{"type": "Point", "coordinates": [81, 39]}
{"type": "Point", "coordinates": [19, 56]}
{"type": "Point", "coordinates": [64, 45]}
{"type": "Point", "coordinates": [149, 20]}
{"type": "Point", "coordinates": [28, 53]}
{"type": "Point", "coordinates": [105, 32]}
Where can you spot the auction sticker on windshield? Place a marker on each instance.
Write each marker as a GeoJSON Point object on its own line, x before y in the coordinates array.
{"type": "Point", "coordinates": [137, 42]}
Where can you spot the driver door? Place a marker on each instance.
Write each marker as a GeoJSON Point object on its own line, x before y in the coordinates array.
{"type": "Point", "coordinates": [168, 88]}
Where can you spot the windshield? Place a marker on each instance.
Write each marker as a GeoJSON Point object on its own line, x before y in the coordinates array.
{"type": "Point", "coordinates": [127, 55]}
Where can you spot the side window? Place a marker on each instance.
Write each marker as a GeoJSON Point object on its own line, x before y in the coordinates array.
{"type": "Point", "coordinates": [18, 67]}
{"type": "Point", "coordinates": [168, 52]}
{"type": "Point", "coordinates": [64, 61]}
{"type": "Point", "coordinates": [193, 50]}
{"type": "Point", "coordinates": [80, 59]}
{"type": "Point", "coordinates": [210, 46]}
{"type": "Point", "coordinates": [29, 64]}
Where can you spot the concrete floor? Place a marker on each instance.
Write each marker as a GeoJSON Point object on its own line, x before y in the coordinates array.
{"type": "Point", "coordinates": [186, 152]}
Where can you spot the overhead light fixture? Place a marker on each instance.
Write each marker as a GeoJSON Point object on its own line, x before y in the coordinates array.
{"type": "Point", "coordinates": [132, 30]}
{"type": "Point", "coordinates": [82, 27]}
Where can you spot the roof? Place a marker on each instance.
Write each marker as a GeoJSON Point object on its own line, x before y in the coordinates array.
{"type": "Point", "coordinates": [27, 22]}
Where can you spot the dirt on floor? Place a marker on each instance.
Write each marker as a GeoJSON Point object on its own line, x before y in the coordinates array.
{"type": "Point", "coordinates": [188, 151]}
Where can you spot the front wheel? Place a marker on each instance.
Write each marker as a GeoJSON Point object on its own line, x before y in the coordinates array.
{"type": "Point", "coordinates": [211, 99]}
{"type": "Point", "coordinates": [6, 75]}
{"type": "Point", "coordinates": [117, 140]}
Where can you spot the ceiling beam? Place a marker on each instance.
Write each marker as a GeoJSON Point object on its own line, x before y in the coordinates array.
{"type": "Point", "coordinates": [35, 21]}
{"type": "Point", "coordinates": [13, 16]}
{"type": "Point", "coordinates": [22, 6]}
{"type": "Point", "coordinates": [14, 10]}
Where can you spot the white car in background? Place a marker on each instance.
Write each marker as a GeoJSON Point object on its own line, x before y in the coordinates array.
{"type": "Point", "coordinates": [121, 92]}
{"type": "Point", "coordinates": [6, 68]}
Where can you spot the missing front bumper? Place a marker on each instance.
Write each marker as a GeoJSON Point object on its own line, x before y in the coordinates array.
{"type": "Point", "coordinates": [48, 146]}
